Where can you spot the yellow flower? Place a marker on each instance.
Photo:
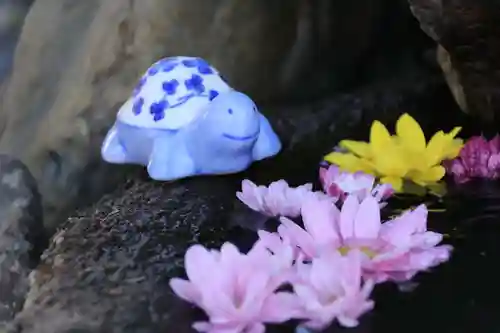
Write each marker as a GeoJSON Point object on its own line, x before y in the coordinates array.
{"type": "Point", "coordinates": [405, 155]}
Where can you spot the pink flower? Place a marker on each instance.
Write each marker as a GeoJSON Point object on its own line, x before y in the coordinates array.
{"type": "Point", "coordinates": [395, 250]}
{"type": "Point", "coordinates": [278, 199]}
{"type": "Point", "coordinates": [237, 291]}
{"type": "Point", "coordinates": [339, 184]}
{"type": "Point", "coordinates": [479, 158]}
{"type": "Point", "coordinates": [331, 287]}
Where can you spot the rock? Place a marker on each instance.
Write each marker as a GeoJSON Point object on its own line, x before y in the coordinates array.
{"type": "Point", "coordinates": [21, 234]}
{"type": "Point", "coordinates": [468, 31]}
{"type": "Point", "coordinates": [108, 267]}
{"type": "Point", "coordinates": [452, 78]}
{"type": "Point", "coordinates": [113, 259]}
{"type": "Point", "coordinates": [76, 63]}
{"type": "Point", "coordinates": [12, 13]}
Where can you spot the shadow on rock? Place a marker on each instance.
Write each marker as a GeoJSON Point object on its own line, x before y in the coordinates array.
{"type": "Point", "coordinates": [22, 236]}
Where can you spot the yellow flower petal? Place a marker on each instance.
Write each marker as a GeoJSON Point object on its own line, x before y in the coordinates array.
{"type": "Point", "coordinates": [380, 138]}
{"type": "Point", "coordinates": [396, 183]}
{"type": "Point", "coordinates": [410, 133]}
{"type": "Point", "coordinates": [431, 175]}
{"type": "Point", "coordinates": [455, 131]}
{"type": "Point", "coordinates": [348, 162]}
{"type": "Point", "coordinates": [435, 148]}
{"type": "Point", "coordinates": [391, 162]}
{"type": "Point", "coordinates": [453, 149]}
{"type": "Point", "coordinates": [359, 148]}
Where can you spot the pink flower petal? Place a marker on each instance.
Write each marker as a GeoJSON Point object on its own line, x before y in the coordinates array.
{"type": "Point", "coordinates": [494, 144]}
{"type": "Point", "coordinates": [308, 296]}
{"type": "Point", "coordinates": [324, 277]}
{"type": "Point", "coordinates": [185, 290]}
{"type": "Point", "coordinates": [297, 236]}
{"type": "Point", "coordinates": [319, 216]}
{"type": "Point", "coordinates": [256, 328]}
{"type": "Point", "coordinates": [202, 326]}
{"type": "Point", "coordinates": [399, 232]}
{"type": "Point", "coordinates": [367, 221]}
{"type": "Point", "coordinates": [347, 216]}
{"type": "Point", "coordinates": [255, 292]}
{"type": "Point", "coordinates": [251, 195]}
{"type": "Point", "coordinates": [230, 255]}
{"type": "Point", "coordinates": [276, 199]}
{"type": "Point", "coordinates": [281, 307]}
{"type": "Point", "coordinates": [197, 262]}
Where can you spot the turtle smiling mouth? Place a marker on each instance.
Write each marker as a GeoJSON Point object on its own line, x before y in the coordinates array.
{"type": "Point", "coordinates": [240, 138]}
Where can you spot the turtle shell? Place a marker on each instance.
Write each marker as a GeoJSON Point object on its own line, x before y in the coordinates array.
{"type": "Point", "coordinates": [172, 93]}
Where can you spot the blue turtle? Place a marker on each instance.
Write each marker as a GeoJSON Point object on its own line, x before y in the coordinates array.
{"type": "Point", "coordinates": [183, 120]}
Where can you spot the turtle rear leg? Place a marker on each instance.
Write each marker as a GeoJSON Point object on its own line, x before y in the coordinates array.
{"type": "Point", "coordinates": [170, 160]}
{"type": "Point", "coordinates": [112, 151]}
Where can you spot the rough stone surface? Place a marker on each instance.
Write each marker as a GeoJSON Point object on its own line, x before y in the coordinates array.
{"type": "Point", "coordinates": [21, 234]}
{"type": "Point", "coordinates": [77, 62]}
{"type": "Point", "coordinates": [469, 31]}
{"type": "Point", "coordinates": [12, 13]}
{"type": "Point", "coordinates": [106, 270]}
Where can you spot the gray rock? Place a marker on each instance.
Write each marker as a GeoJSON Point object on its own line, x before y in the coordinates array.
{"type": "Point", "coordinates": [21, 234]}
{"type": "Point", "coordinates": [12, 14]}
{"type": "Point", "coordinates": [469, 36]}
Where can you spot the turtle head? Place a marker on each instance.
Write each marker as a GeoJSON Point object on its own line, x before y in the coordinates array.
{"type": "Point", "coordinates": [232, 117]}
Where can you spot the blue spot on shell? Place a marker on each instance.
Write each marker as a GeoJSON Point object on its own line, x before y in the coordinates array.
{"type": "Point", "coordinates": [137, 107]}
{"type": "Point", "coordinates": [190, 63]}
{"type": "Point", "coordinates": [230, 111]}
{"type": "Point", "coordinates": [201, 65]}
{"type": "Point", "coordinates": [164, 65]}
{"type": "Point", "coordinates": [168, 67]}
{"type": "Point", "coordinates": [212, 94]}
{"type": "Point", "coordinates": [139, 86]}
{"type": "Point", "coordinates": [170, 87]}
{"type": "Point", "coordinates": [157, 109]}
{"type": "Point", "coordinates": [153, 70]}
{"type": "Point", "coordinates": [195, 83]}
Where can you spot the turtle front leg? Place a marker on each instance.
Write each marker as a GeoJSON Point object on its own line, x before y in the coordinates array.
{"type": "Point", "coordinates": [268, 144]}
{"type": "Point", "coordinates": [170, 159]}
{"type": "Point", "coordinates": [112, 151]}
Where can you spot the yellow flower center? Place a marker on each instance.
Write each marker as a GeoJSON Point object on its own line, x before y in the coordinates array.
{"type": "Point", "coordinates": [344, 250]}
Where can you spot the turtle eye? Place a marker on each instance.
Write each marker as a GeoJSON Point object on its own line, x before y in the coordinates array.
{"type": "Point", "coordinates": [230, 111]}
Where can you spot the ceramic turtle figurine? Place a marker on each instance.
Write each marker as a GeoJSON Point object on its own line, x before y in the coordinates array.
{"type": "Point", "coordinates": [184, 120]}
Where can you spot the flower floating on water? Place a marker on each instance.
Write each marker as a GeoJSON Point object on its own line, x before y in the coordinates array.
{"type": "Point", "coordinates": [237, 291]}
{"type": "Point", "coordinates": [479, 158]}
{"type": "Point", "coordinates": [339, 184]}
{"type": "Point", "coordinates": [394, 250]}
{"type": "Point", "coordinates": [279, 199]}
{"type": "Point", "coordinates": [404, 156]}
{"type": "Point", "coordinates": [322, 272]}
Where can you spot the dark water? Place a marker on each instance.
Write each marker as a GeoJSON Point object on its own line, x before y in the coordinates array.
{"type": "Point", "coordinates": [462, 295]}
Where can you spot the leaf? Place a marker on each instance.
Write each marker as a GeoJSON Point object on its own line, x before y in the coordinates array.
{"type": "Point", "coordinates": [438, 189]}
{"type": "Point", "coordinates": [412, 188]}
